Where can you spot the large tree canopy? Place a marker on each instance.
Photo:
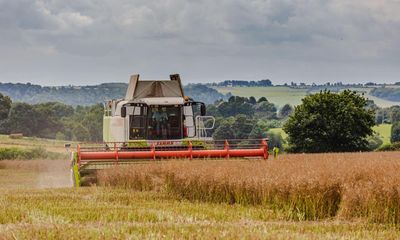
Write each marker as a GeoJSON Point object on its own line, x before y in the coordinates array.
{"type": "Point", "coordinates": [330, 122]}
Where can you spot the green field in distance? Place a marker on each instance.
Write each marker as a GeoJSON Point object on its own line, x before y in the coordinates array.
{"type": "Point", "coordinates": [281, 95]}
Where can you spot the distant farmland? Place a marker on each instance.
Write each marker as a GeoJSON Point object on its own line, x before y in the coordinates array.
{"type": "Point", "coordinates": [281, 95]}
{"type": "Point", "coordinates": [277, 95]}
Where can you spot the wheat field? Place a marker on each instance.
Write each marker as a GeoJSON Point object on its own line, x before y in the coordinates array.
{"type": "Point", "coordinates": [299, 186]}
{"type": "Point", "coordinates": [321, 196]}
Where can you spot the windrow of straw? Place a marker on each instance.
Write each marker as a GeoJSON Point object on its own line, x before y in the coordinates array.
{"type": "Point", "coordinates": [302, 187]}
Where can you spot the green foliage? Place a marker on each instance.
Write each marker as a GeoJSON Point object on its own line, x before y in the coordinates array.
{"type": "Point", "coordinates": [394, 114]}
{"type": "Point", "coordinates": [268, 124]}
{"type": "Point", "coordinates": [27, 154]}
{"type": "Point", "coordinates": [395, 132]}
{"type": "Point", "coordinates": [93, 122]}
{"type": "Point", "coordinates": [262, 99]}
{"type": "Point", "coordinates": [48, 118]}
{"type": "Point", "coordinates": [90, 95]}
{"type": "Point", "coordinates": [55, 120]}
{"type": "Point", "coordinates": [80, 133]}
{"type": "Point", "coordinates": [258, 133]}
{"type": "Point", "coordinates": [330, 122]}
{"type": "Point", "coordinates": [245, 106]}
{"type": "Point", "coordinates": [242, 126]}
{"type": "Point", "coordinates": [234, 128]}
{"type": "Point", "coordinates": [374, 142]}
{"type": "Point", "coordinates": [70, 95]}
{"type": "Point", "coordinates": [224, 131]}
{"type": "Point", "coordinates": [212, 110]}
{"type": "Point", "coordinates": [235, 106]}
{"type": "Point", "coordinates": [22, 119]}
{"type": "Point", "coordinates": [390, 147]}
{"type": "Point", "coordinates": [266, 110]}
{"type": "Point", "coordinates": [285, 111]}
{"type": "Point", "coordinates": [252, 100]}
{"type": "Point", "coordinates": [5, 106]}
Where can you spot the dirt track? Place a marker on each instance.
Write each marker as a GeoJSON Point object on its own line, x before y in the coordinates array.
{"type": "Point", "coordinates": [35, 174]}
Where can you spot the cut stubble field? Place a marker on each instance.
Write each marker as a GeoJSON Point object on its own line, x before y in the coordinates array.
{"type": "Point", "coordinates": [303, 196]}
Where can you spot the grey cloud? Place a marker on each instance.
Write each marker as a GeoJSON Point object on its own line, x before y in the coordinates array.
{"type": "Point", "coordinates": [206, 40]}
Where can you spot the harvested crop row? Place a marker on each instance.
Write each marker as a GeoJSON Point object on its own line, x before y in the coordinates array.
{"type": "Point", "coordinates": [303, 186]}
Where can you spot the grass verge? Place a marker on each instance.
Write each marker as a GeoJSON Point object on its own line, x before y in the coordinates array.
{"type": "Point", "coordinates": [14, 153]}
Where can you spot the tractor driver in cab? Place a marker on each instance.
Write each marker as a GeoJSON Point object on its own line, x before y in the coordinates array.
{"type": "Point", "coordinates": [159, 121]}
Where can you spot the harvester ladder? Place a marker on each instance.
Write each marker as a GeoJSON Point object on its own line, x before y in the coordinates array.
{"type": "Point", "coordinates": [201, 128]}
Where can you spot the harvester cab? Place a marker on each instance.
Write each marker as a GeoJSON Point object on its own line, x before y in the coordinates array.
{"type": "Point", "coordinates": [156, 121]}
{"type": "Point", "coordinates": [154, 111]}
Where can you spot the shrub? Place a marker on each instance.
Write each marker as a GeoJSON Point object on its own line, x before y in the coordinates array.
{"type": "Point", "coordinates": [390, 147]}
{"type": "Point", "coordinates": [28, 154]}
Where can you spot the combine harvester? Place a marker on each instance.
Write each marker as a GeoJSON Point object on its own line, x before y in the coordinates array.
{"type": "Point", "coordinates": [156, 121]}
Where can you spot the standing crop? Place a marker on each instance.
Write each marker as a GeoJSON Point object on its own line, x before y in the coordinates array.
{"type": "Point", "coordinates": [302, 186]}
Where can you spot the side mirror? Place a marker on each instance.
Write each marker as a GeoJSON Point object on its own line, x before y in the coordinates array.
{"type": "Point", "coordinates": [202, 110]}
{"type": "Point", "coordinates": [123, 112]}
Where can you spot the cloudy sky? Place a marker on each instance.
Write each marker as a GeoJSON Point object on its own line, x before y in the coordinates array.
{"type": "Point", "coordinates": [58, 42]}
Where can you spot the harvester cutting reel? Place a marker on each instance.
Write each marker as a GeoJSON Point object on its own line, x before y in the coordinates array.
{"type": "Point", "coordinates": [89, 158]}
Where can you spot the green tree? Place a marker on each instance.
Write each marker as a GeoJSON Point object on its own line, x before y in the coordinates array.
{"type": "Point", "coordinates": [224, 131]}
{"type": "Point", "coordinates": [242, 126]}
{"type": "Point", "coordinates": [212, 110]}
{"type": "Point", "coordinates": [22, 119]}
{"type": "Point", "coordinates": [330, 122]}
{"type": "Point", "coordinates": [265, 110]}
{"type": "Point", "coordinates": [93, 122]}
{"type": "Point", "coordinates": [262, 99]}
{"type": "Point", "coordinates": [252, 100]}
{"type": "Point", "coordinates": [285, 111]}
{"type": "Point", "coordinates": [257, 132]}
{"type": "Point", "coordinates": [80, 133]}
{"type": "Point", "coordinates": [395, 132]}
{"type": "Point", "coordinates": [394, 114]}
{"type": "Point", "coordinates": [5, 106]}
{"type": "Point", "coordinates": [235, 105]}
{"type": "Point", "coordinates": [48, 118]}
{"type": "Point", "coordinates": [374, 142]}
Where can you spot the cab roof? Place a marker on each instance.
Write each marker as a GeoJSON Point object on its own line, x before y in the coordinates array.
{"type": "Point", "coordinates": [154, 88]}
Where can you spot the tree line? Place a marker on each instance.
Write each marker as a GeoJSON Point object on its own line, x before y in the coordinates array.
{"type": "Point", "coordinates": [244, 117]}
{"type": "Point", "coordinates": [323, 122]}
{"type": "Point", "coordinates": [51, 120]}
{"type": "Point", "coordinates": [91, 95]}
{"type": "Point", "coordinates": [244, 83]}
{"type": "Point", "coordinates": [248, 118]}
